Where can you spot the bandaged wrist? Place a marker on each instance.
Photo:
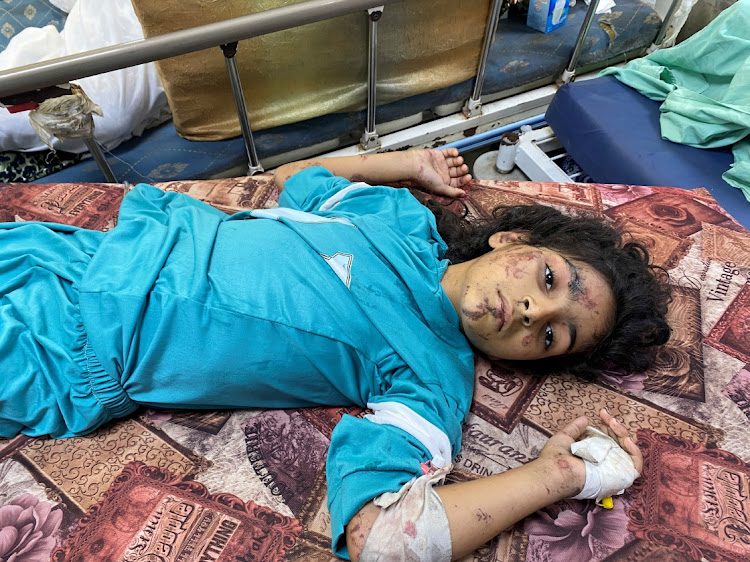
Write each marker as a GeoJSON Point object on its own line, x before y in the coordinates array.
{"type": "Point", "coordinates": [593, 484]}
{"type": "Point", "coordinates": [609, 469]}
{"type": "Point", "coordinates": [412, 523]}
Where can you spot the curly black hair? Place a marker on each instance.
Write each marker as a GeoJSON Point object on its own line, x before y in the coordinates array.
{"type": "Point", "coordinates": [640, 289]}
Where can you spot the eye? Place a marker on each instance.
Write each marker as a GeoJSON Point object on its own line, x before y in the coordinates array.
{"type": "Point", "coordinates": [549, 337]}
{"type": "Point", "coordinates": [549, 277]}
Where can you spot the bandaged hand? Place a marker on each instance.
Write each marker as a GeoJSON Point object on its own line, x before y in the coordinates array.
{"type": "Point", "coordinates": [610, 462]}
{"type": "Point", "coordinates": [609, 469]}
{"type": "Point", "coordinates": [603, 466]}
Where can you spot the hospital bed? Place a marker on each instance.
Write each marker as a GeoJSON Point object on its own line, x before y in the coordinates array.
{"type": "Point", "coordinates": [613, 133]}
{"type": "Point", "coordinates": [604, 131]}
{"type": "Point", "coordinates": [258, 476]}
{"type": "Point", "coordinates": [514, 60]}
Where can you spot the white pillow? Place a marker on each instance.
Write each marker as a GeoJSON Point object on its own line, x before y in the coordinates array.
{"type": "Point", "coordinates": [132, 99]}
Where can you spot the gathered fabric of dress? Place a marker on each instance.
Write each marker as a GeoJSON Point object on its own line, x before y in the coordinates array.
{"type": "Point", "coordinates": [332, 299]}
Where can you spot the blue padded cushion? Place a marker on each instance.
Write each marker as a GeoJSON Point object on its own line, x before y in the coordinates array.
{"type": "Point", "coordinates": [613, 133]}
{"type": "Point", "coordinates": [160, 154]}
{"type": "Point", "coordinates": [521, 55]}
{"type": "Point", "coordinates": [16, 15]}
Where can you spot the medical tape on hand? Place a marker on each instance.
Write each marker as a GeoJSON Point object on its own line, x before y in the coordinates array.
{"type": "Point", "coordinates": [609, 468]}
{"type": "Point", "coordinates": [412, 523]}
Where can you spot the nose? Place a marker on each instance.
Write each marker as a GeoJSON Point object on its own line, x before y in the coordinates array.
{"type": "Point", "coordinates": [535, 310]}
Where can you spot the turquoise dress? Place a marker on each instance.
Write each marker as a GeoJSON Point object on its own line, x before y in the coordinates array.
{"type": "Point", "coordinates": [332, 299]}
{"type": "Point", "coordinates": [46, 366]}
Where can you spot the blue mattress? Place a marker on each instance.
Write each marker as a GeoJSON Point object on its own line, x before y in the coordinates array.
{"type": "Point", "coordinates": [613, 133]}
{"type": "Point", "coordinates": [160, 154]}
{"type": "Point", "coordinates": [520, 56]}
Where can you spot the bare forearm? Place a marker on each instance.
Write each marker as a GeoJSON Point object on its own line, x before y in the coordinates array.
{"type": "Point", "coordinates": [481, 509]}
{"type": "Point", "coordinates": [372, 168]}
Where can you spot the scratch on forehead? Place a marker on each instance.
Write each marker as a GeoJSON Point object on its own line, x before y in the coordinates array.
{"type": "Point", "coordinates": [575, 286]}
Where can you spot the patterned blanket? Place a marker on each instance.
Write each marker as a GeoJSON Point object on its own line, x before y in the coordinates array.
{"type": "Point", "coordinates": [250, 484]}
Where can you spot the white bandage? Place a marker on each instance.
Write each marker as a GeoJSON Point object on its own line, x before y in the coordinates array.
{"type": "Point", "coordinates": [412, 524]}
{"type": "Point", "coordinates": [609, 469]}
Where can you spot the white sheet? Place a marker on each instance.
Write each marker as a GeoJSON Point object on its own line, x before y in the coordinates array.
{"type": "Point", "coordinates": [132, 99]}
{"type": "Point", "coordinates": [64, 5]}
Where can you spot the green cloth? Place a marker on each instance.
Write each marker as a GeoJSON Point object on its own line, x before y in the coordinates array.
{"type": "Point", "coordinates": [704, 83]}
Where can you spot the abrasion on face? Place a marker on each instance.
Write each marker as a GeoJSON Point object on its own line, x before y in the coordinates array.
{"type": "Point", "coordinates": [588, 302]}
{"type": "Point", "coordinates": [581, 294]}
{"type": "Point", "coordinates": [577, 290]}
{"type": "Point", "coordinates": [515, 266]}
{"type": "Point", "coordinates": [473, 314]}
{"type": "Point", "coordinates": [496, 311]}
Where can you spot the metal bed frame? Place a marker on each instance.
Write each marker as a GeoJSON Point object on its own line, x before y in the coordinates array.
{"type": "Point", "coordinates": [39, 81]}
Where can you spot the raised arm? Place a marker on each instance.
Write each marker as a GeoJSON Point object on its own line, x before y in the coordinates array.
{"type": "Point", "coordinates": [441, 171]}
{"type": "Point", "coordinates": [481, 509]}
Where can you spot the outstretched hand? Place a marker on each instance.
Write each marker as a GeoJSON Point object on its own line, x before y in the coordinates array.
{"type": "Point", "coordinates": [441, 172]}
{"type": "Point", "coordinates": [557, 449]}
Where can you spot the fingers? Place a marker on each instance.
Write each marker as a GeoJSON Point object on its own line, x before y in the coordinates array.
{"type": "Point", "coordinates": [619, 432]}
{"type": "Point", "coordinates": [450, 191]}
{"type": "Point", "coordinates": [449, 152]}
{"type": "Point", "coordinates": [613, 425]}
{"type": "Point", "coordinates": [458, 171]}
{"type": "Point", "coordinates": [615, 429]}
{"type": "Point", "coordinates": [449, 165]}
{"type": "Point", "coordinates": [460, 180]}
{"type": "Point", "coordinates": [576, 428]}
{"type": "Point", "coordinates": [456, 166]}
{"type": "Point", "coordinates": [454, 161]}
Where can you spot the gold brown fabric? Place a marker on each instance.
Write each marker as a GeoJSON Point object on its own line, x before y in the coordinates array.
{"type": "Point", "coordinates": [312, 70]}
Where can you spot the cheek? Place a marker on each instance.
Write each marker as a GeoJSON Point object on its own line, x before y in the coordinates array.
{"type": "Point", "coordinates": [472, 314]}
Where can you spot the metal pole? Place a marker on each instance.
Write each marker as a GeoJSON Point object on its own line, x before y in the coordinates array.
{"type": "Point", "coordinates": [569, 74]}
{"type": "Point", "coordinates": [230, 50]}
{"type": "Point", "coordinates": [370, 137]}
{"type": "Point", "coordinates": [665, 25]}
{"type": "Point", "coordinates": [473, 105]}
{"type": "Point", "coordinates": [106, 59]}
{"type": "Point", "coordinates": [101, 161]}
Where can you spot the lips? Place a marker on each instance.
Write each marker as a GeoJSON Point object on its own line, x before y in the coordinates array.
{"type": "Point", "coordinates": [501, 310]}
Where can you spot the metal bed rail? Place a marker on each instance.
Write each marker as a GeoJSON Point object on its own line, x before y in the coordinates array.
{"type": "Point", "coordinates": [37, 81]}
{"type": "Point", "coordinates": [62, 70]}
{"type": "Point", "coordinates": [473, 106]}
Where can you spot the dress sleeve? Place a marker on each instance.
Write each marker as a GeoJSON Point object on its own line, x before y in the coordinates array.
{"type": "Point", "coordinates": [357, 473]}
{"type": "Point", "coordinates": [308, 189]}
{"type": "Point", "coordinates": [413, 423]}
{"type": "Point", "coordinates": [316, 190]}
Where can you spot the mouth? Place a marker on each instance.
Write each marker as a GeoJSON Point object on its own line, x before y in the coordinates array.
{"type": "Point", "coordinates": [501, 310]}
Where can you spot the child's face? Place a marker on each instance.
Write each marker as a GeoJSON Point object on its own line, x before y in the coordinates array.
{"type": "Point", "coordinates": [520, 302]}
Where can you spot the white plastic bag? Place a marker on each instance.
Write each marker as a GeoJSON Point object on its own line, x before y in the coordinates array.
{"type": "Point", "coordinates": [131, 99]}
{"type": "Point", "coordinates": [65, 117]}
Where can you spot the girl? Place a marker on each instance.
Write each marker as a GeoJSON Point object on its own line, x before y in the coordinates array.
{"type": "Point", "coordinates": [343, 295]}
